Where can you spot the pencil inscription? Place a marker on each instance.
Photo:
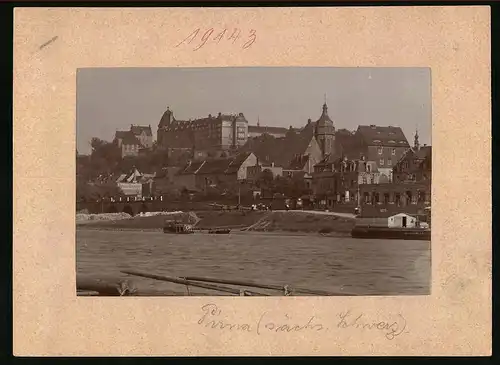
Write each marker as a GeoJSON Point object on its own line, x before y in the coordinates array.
{"type": "Point", "coordinates": [213, 318]}
{"type": "Point", "coordinates": [200, 37]}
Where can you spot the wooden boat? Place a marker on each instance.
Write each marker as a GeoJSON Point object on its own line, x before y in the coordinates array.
{"type": "Point", "coordinates": [177, 228]}
{"type": "Point", "coordinates": [219, 231]}
{"type": "Point", "coordinates": [235, 287]}
{"type": "Point", "coordinates": [391, 233]}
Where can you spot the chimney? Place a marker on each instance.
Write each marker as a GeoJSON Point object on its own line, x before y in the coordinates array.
{"type": "Point", "coordinates": [219, 115]}
{"type": "Point", "coordinates": [210, 116]}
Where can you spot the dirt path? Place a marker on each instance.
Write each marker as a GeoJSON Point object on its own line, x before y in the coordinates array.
{"type": "Point", "coordinates": [320, 212]}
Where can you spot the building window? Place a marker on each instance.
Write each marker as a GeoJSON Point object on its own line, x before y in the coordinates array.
{"type": "Point", "coordinates": [380, 150]}
{"type": "Point", "coordinates": [389, 162]}
{"type": "Point", "coordinates": [364, 179]}
{"type": "Point", "coordinates": [381, 162]}
{"type": "Point", "coordinates": [393, 151]}
{"type": "Point", "coordinates": [386, 198]}
{"type": "Point", "coordinates": [398, 199]}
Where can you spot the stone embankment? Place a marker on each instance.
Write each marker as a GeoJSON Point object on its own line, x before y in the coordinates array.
{"type": "Point", "coordinates": [257, 221]}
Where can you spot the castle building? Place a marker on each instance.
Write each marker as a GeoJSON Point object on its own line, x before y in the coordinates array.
{"type": "Point", "coordinates": [213, 133]}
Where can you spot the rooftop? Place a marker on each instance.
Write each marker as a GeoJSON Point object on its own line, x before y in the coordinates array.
{"type": "Point", "coordinates": [127, 138]}
{"type": "Point", "coordinates": [138, 129]}
{"type": "Point", "coordinates": [374, 135]}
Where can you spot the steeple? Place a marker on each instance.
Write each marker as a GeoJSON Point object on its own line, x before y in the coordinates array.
{"type": "Point", "coordinates": [324, 132]}
{"type": "Point", "coordinates": [166, 119]}
{"type": "Point", "coordinates": [416, 144]}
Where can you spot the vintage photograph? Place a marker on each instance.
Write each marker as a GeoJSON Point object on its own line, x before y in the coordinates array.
{"type": "Point", "coordinates": [253, 181]}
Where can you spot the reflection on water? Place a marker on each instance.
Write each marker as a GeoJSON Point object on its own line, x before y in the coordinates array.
{"type": "Point", "coordinates": [359, 266]}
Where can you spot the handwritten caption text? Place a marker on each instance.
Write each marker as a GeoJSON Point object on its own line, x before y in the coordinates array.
{"type": "Point", "coordinates": [212, 318]}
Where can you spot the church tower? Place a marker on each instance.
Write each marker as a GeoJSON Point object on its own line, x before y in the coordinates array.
{"type": "Point", "coordinates": [166, 119]}
{"type": "Point", "coordinates": [324, 132]}
{"type": "Point", "coordinates": [416, 143]}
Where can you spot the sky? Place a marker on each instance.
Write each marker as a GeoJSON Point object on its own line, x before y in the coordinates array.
{"type": "Point", "coordinates": [111, 99]}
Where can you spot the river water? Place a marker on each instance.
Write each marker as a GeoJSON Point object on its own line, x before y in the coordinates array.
{"type": "Point", "coordinates": [337, 265]}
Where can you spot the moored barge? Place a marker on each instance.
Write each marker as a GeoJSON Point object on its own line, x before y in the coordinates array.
{"type": "Point", "coordinates": [391, 233]}
{"type": "Point", "coordinates": [176, 227]}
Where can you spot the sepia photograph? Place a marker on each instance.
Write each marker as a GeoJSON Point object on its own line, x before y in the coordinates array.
{"type": "Point", "coordinates": [253, 181]}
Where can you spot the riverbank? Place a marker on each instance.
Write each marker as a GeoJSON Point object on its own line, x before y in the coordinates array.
{"type": "Point", "coordinates": [248, 221]}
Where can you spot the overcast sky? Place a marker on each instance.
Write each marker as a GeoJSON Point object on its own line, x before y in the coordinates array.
{"type": "Point", "coordinates": [110, 99]}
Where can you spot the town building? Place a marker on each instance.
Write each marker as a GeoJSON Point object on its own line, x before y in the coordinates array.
{"type": "Point", "coordinates": [213, 173]}
{"type": "Point", "coordinates": [128, 143]}
{"type": "Point", "coordinates": [403, 197]}
{"type": "Point", "coordinates": [254, 172]}
{"type": "Point", "coordinates": [383, 145]}
{"type": "Point", "coordinates": [415, 164]}
{"type": "Point", "coordinates": [335, 180]}
{"type": "Point", "coordinates": [213, 133]}
{"type": "Point", "coordinates": [135, 140]}
{"type": "Point", "coordinates": [136, 184]}
{"type": "Point", "coordinates": [144, 134]}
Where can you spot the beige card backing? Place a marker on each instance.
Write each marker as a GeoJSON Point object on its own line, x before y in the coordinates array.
{"type": "Point", "coordinates": [51, 43]}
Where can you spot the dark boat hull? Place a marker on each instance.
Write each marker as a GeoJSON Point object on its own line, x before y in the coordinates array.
{"type": "Point", "coordinates": [219, 231]}
{"type": "Point", "coordinates": [391, 233]}
{"type": "Point", "coordinates": [174, 231]}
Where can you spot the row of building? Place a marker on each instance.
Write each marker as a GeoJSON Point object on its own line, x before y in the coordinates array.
{"type": "Point", "coordinates": [373, 164]}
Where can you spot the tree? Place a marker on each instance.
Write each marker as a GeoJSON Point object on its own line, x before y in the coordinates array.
{"type": "Point", "coordinates": [104, 157]}
{"type": "Point", "coordinates": [91, 192]}
{"type": "Point", "coordinates": [266, 177]}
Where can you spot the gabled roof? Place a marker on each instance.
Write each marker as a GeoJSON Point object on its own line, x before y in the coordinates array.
{"type": "Point", "coordinates": [138, 129]}
{"type": "Point", "coordinates": [374, 135]}
{"type": "Point", "coordinates": [299, 162]}
{"type": "Point", "coordinates": [133, 176]}
{"type": "Point", "coordinates": [236, 162]}
{"type": "Point", "coordinates": [128, 138]}
{"type": "Point", "coordinates": [424, 151]}
{"type": "Point", "coordinates": [121, 134]}
{"type": "Point", "coordinates": [281, 151]}
{"type": "Point", "coordinates": [192, 167]}
{"type": "Point", "coordinates": [215, 166]}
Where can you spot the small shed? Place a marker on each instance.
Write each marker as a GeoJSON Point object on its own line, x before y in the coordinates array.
{"type": "Point", "coordinates": [402, 220]}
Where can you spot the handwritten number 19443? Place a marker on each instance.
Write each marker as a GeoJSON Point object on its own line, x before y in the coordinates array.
{"type": "Point", "coordinates": [245, 39]}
